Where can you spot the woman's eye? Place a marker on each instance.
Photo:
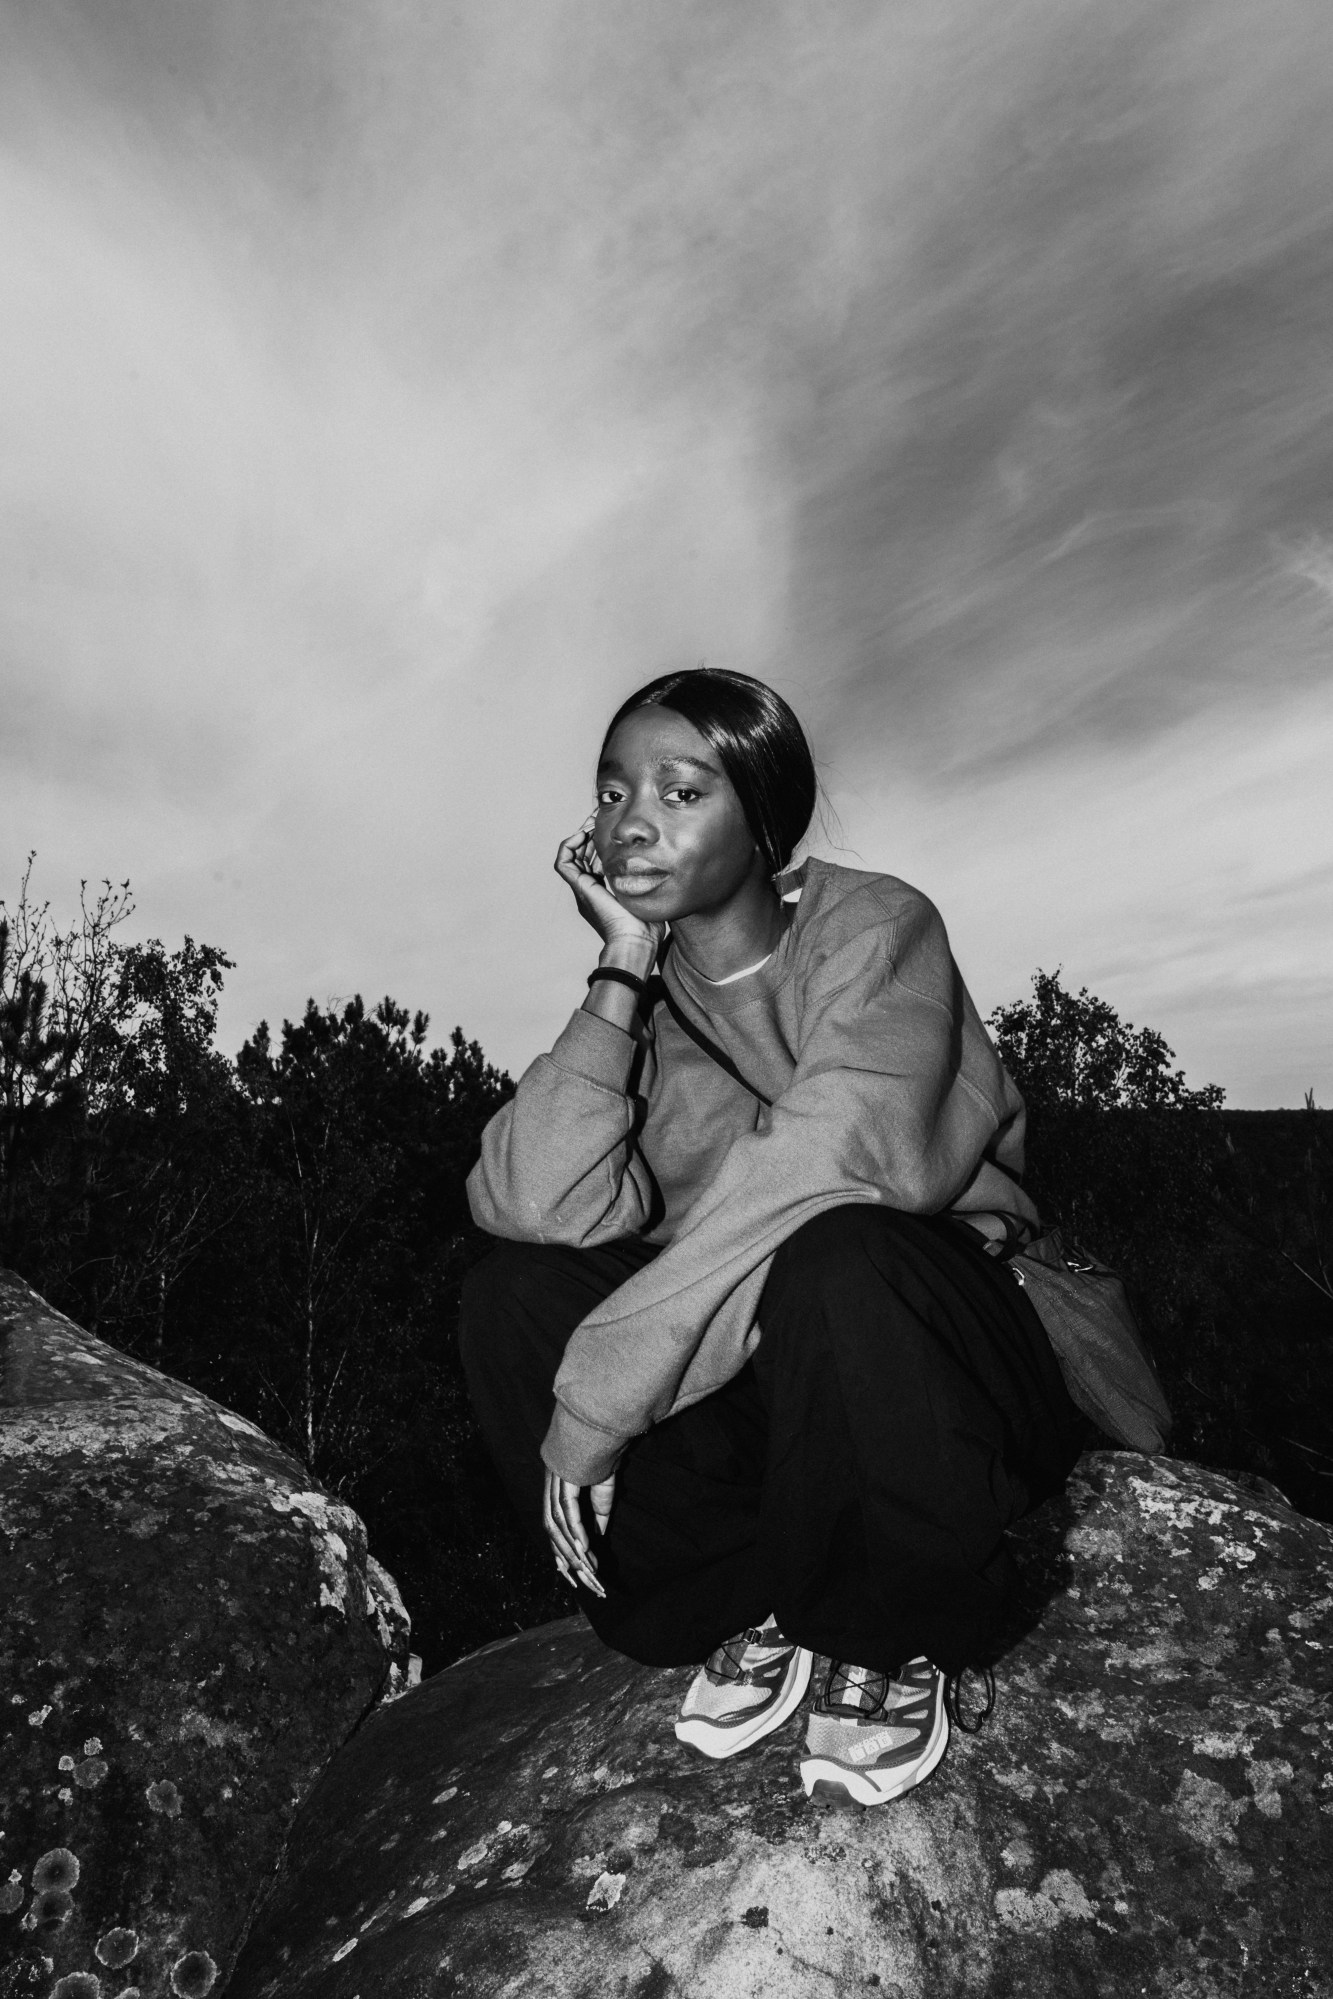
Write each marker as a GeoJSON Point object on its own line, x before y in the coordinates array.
{"type": "Point", "coordinates": [682, 793]}
{"type": "Point", "coordinates": [605, 798]}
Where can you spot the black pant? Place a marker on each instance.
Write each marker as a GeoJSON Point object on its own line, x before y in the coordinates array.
{"type": "Point", "coordinates": [855, 1478]}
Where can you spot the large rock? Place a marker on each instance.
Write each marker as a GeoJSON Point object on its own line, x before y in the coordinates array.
{"type": "Point", "coordinates": [1148, 1811]}
{"type": "Point", "coordinates": [187, 1631]}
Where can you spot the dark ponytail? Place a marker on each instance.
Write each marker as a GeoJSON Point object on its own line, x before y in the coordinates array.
{"type": "Point", "coordinates": [757, 740]}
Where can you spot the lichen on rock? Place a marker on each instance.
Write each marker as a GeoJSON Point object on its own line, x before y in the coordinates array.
{"type": "Point", "coordinates": [1149, 1810]}
{"type": "Point", "coordinates": [190, 1629]}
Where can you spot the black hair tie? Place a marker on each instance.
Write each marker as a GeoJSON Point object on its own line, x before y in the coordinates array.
{"type": "Point", "coordinates": [636, 985]}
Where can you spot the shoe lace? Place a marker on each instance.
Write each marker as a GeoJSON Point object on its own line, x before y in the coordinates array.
{"type": "Point", "coordinates": [728, 1662]}
{"type": "Point", "coordinates": [970, 1725]}
{"type": "Point", "coordinates": [855, 1687]}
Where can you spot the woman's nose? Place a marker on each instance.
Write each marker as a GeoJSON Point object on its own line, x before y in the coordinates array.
{"type": "Point", "coordinates": [635, 828]}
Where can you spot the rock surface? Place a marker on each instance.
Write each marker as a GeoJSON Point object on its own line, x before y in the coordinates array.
{"type": "Point", "coordinates": [187, 1632]}
{"type": "Point", "coordinates": [1149, 1811]}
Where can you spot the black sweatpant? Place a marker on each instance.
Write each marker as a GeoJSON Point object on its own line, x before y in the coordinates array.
{"type": "Point", "coordinates": [855, 1478]}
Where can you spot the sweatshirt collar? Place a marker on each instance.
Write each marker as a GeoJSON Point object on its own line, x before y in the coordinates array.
{"type": "Point", "coordinates": [763, 983]}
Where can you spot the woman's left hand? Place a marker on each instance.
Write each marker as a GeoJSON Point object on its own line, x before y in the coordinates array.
{"type": "Point", "coordinates": [563, 1521]}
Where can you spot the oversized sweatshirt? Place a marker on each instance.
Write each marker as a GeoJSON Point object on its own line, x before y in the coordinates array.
{"type": "Point", "coordinates": [885, 1087]}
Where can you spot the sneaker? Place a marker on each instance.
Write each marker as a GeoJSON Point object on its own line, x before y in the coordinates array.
{"type": "Point", "coordinates": [746, 1690]}
{"type": "Point", "coordinates": [870, 1737]}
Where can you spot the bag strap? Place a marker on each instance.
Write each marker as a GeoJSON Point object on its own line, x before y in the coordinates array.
{"type": "Point", "coordinates": [1019, 1234]}
{"type": "Point", "coordinates": [656, 990]}
{"type": "Point", "coordinates": [1018, 1237]}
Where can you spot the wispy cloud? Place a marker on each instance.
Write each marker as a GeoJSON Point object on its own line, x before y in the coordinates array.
{"type": "Point", "coordinates": [386, 390]}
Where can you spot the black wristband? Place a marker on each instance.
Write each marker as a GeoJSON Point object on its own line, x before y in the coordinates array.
{"type": "Point", "coordinates": [636, 985]}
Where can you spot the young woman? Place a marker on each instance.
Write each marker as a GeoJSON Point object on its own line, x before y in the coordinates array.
{"type": "Point", "coordinates": [742, 1348]}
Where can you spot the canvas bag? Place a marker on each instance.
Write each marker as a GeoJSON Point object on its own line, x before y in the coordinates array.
{"type": "Point", "coordinates": [1085, 1310]}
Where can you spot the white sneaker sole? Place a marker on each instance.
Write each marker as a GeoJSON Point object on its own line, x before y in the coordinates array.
{"type": "Point", "coordinates": [841, 1783]}
{"type": "Point", "coordinates": [697, 1732]}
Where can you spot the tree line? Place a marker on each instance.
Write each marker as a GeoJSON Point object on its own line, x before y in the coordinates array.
{"type": "Point", "coordinates": [288, 1229]}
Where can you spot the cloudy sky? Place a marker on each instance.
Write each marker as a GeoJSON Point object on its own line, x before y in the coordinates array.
{"type": "Point", "coordinates": [388, 386]}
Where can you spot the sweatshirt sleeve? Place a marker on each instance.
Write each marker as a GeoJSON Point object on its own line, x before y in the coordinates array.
{"type": "Point", "coordinates": [558, 1161]}
{"type": "Point", "coordinates": [877, 1110]}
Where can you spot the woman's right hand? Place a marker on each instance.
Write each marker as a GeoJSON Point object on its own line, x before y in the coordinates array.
{"type": "Point", "coordinates": [566, 1532]}
{"type": "Point", "coordinates": [576, 862]}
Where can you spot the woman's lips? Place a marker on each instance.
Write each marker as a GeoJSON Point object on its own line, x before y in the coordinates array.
{"type": "Point", "coordinates": [639, 881]}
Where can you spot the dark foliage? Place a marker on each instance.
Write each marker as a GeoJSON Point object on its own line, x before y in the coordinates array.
{"type": "Point", "coordinates": [1072, 1051]}
{"type": "Point", "coordinates": [1219, 1219]}
{"type": "Point", "coordinates": [289, 1230]}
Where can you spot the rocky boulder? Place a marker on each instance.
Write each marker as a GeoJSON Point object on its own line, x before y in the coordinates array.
{"type": "Point", "coordinates": [1150, 1809]}
{"type": "Point", "coordinates": [188, 1629]}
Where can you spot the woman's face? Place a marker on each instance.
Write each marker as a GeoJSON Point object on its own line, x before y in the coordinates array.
{"type": "Point", "coordinates": [669, 831]}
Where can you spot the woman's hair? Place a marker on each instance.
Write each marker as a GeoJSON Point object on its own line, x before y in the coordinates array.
{"type": "Point", "coordinates": [757, 740]}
